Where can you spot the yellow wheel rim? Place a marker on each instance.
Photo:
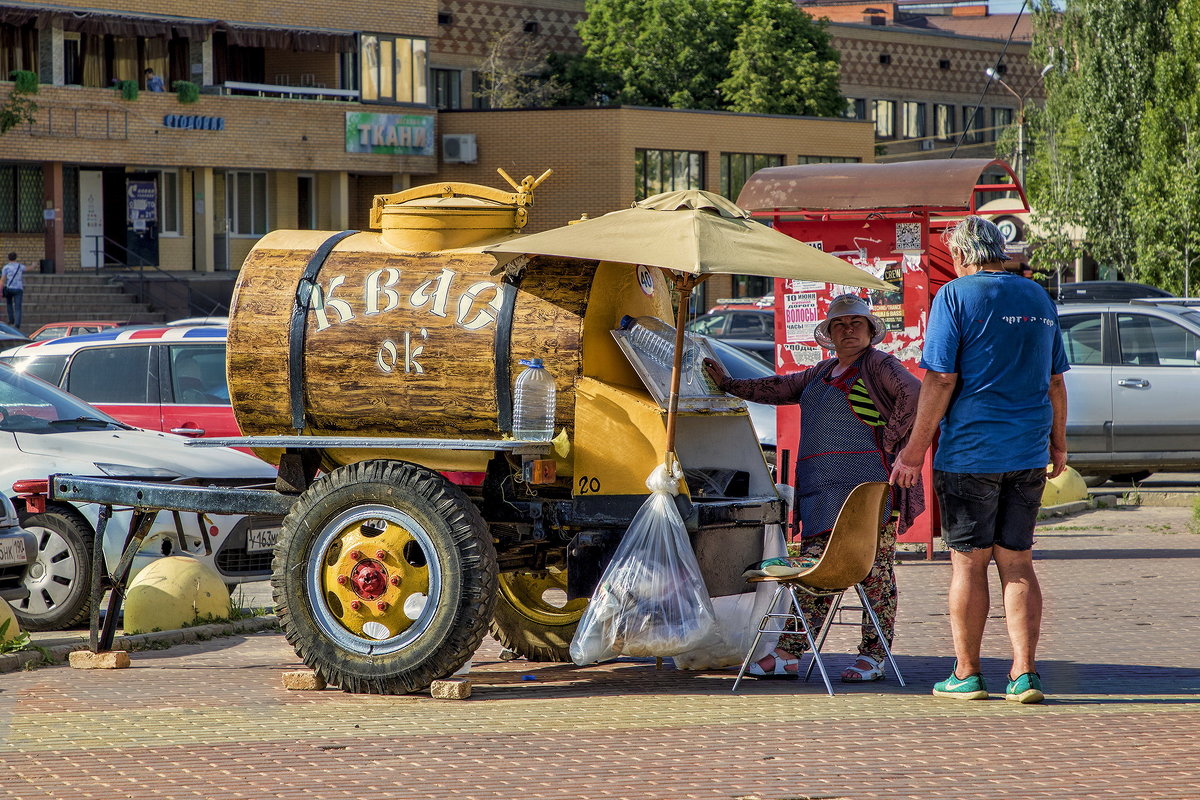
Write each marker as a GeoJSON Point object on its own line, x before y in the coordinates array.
{"type": "Point", "coordinates": [373, 578]}
{"type": "Point", "coordinates": [541, 596]}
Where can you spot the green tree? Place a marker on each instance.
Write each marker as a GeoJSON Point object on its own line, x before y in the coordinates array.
{"type": "Point", "coordinates": [1086, 139]}
{"type": "Point", "coordinates": [783, 63]}
{"type": "Point", "coordinates": [582, 81]}
{"type": "Point", "coordinates": [1166, 187]}
{"type": "Point", "coordinates": [670, 53]}
{"type": "Point", "coordinates": [18, 108]}
{"type": "Point", "coordinates": [742, 55]}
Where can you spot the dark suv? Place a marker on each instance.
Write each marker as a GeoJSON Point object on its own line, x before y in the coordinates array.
{"type": "Point", "coordinates": [1107, 292]}
{"type": "Point", "coordinates": [736, 324]}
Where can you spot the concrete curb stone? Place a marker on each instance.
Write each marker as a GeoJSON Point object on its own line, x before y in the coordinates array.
{"type": "Point", "coordinates": [59, 654]}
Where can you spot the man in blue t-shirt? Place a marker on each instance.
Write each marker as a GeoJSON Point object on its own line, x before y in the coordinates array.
{"type": "Point", "coordinates": [994, 361]}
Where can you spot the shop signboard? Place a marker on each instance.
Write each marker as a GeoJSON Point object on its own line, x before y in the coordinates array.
{"type": "Point", "coordinates": [398, 134]}
{"type": "Point", "coordinates": [142, 199]}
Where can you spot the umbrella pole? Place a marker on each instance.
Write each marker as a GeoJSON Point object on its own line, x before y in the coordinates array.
{"type": "Point", "coordinates": [685, 283]}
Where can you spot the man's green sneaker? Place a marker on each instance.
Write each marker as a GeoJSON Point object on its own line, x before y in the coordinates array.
{"type": "Point", "coordinates": [971, 687]}
{"type": "Point", "coordinates": [1027, 688]}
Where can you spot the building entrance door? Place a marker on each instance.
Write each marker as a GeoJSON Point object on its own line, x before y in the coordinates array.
{"type": "Point", "coordinates": [141, 218]}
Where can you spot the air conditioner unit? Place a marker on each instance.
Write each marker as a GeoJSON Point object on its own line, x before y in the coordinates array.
{"type": "Point", "coordinates": [927, 144]}
{"type": "Point", "coordinates": [458, 148]}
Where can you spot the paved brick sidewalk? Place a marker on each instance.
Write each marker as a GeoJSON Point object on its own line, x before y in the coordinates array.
{"type": "Point", "coordinates": [211, 720]}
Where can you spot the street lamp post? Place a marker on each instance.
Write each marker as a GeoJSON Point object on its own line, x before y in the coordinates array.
{"type": "Point", "coordinates": [991, 73]}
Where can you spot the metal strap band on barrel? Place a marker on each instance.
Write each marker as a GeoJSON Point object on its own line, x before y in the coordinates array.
{"type": "Point", "coordinates": [304, 293]}
{"type": "Point", "coordinates": [503, 347]}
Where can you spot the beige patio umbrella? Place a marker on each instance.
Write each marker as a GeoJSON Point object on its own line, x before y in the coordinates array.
{"type": "Point", "coordinates": [691, 234]}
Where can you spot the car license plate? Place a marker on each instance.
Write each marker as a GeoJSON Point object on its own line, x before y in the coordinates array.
{"type": "Point", "coordinates": [12, 551]}
{"type": "Point", "coordinates": [260, 539]}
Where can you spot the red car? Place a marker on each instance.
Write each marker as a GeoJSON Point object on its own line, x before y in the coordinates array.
{"type": "Point", "coordinates": [57, 330]}
{"type": "Point", "coordinates": [164, 379]}
{"type": "Point", "coordinates": [766, 302]}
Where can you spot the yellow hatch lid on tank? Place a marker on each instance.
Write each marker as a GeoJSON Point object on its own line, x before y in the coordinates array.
{"type": "Point", "coordinates": [446, 216]}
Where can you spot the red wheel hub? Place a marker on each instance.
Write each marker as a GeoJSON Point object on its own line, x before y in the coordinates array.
{"type": "Point", "coordinates": [369, 579]}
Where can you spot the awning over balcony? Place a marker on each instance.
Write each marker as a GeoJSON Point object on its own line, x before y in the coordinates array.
{"type": "Point", "coordinates": [242, 34]}
{"type": "Point", "coordinates": [303, 40]}
{"type": "Point", "coordinates": [107, 22]}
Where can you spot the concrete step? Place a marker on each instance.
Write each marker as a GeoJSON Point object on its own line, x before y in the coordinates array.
{"type": "Point", "coordinates": [135, 317]}
{"type": "Point", "coordinates": [68, 278]}
{"type": "Point", "coordinates": [82, 305]}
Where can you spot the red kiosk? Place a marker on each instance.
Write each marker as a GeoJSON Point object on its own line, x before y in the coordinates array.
{"type": "Point", "coordinates": [886, 219]}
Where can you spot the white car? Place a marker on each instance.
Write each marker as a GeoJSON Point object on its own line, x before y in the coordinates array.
{"type": "Point", "coordinates": [45, 431]}
{"type": "Point", "coordinates": [17, 549]}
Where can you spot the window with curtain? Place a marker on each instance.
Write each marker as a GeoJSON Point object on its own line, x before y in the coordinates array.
{"type": "Point", "coordinates": [1001, 119]}
{"type": "Point", "coordinates": [736, 169]}
{"type": "Point", "coordinates": [125, 59]}
{"type": "Point", "coordinates": [91, 59]}
{"type": "Point", "coordinates": [913, 120]}
{"type": "Point", "coordinates": [883, 114]}
{"type": "Point", "coordinates": [18, 48]}
{"type": "Point", "coordinates": [972, 124]}
{"type": "Point", "coordinates": [856, 108]}
{"type": "Point", "coordinates": [658, 171]}
{"type": "Point", "coordinates": [247, 203]}
{"type": "Point", "coordinates": [154, 52]}
{"type": "Point", "coordinates": [393, 69]}
{"type": "Point", "coordinates": [943, 121]}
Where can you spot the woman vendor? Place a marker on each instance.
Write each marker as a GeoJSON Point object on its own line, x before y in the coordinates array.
{"type": "Point", "coordinates": [856, 412]}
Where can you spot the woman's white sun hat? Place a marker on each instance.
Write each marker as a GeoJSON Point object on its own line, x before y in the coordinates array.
{"type": "Point", "coordinates": [848, 305]}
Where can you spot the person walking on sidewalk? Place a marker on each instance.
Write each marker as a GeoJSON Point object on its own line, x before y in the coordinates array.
{"type": "Point", "coordinates": [12, 286]}
{"type": "Point", "coordinates": [856, 411]}
{"type": "Point", "coordinates": [994, 359]}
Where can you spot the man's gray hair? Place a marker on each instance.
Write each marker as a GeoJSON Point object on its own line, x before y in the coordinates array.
{"type": "Point", "coordinates": [977, 241]}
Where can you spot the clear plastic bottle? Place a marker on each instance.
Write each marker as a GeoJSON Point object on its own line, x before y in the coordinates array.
{"type": "Point", "coordinates": [655, 339]}
{"type": "Point", "coordinates": [652, 338]}
{"type": "Point", "coordinates": [533, 403]}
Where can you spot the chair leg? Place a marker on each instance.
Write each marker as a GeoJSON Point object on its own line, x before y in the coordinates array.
{"type": "Point", "coordinates": [862, 596]}
{"type": "Point", "coordinates": [834, 607]}
{"type": "Point", "coordinates": [812, 644]}
{"type": "Point", "coordinates": [762, 628]}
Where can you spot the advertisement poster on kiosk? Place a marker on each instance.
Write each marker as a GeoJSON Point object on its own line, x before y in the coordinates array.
{"type": "Point", "coordinates": [886, 219]}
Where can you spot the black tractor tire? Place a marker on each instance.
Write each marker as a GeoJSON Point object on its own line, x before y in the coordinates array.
{"type": "Point", "coordinates": [426, 530]}
{"type": "Point", "coordinates": [533, 618]}
{"type": "Point", "coordinates": [60, 580]}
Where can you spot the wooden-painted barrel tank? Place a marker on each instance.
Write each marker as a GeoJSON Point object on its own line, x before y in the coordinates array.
{"type": "Point", "coordinates": [414, 331]}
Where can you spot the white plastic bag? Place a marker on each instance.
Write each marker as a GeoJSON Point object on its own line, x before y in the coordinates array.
{"type": "Point", "coordinates": [651, 599]}
{"type": "Point", "coordinates": [738, 616]}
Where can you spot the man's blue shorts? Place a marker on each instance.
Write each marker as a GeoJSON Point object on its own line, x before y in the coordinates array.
{"type": "Point", "coordinates": [989, 509]}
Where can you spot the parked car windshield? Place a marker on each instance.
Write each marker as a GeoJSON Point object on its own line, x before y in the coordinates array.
{"type": "Point", "coordinates": [738, 363]}
{"type": "Point", "coordinates": [28, 405]}
{"type": "Point", "coordinates": [48, 368]}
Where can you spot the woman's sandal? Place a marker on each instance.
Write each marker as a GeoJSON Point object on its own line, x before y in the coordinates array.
{"type": "Point", "coordinates": [856, 674]}
{"type": "Point", "coordinates": [779, 669]}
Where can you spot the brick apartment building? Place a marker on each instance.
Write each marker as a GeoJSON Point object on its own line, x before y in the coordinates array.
{"type": "Point", "coordinates": [307, 111]}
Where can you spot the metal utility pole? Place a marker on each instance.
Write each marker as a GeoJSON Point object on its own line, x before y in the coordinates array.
{"type": "Point", "coordinates": [991, 73]}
